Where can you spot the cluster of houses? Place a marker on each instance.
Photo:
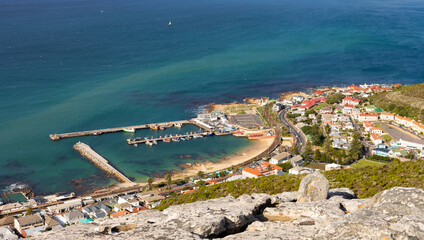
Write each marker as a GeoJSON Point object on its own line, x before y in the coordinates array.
{"type": "Point", "coordinates": [56, 211]}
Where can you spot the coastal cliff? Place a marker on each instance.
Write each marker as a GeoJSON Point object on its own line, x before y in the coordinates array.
{"type": "Point", "coordinates": [314, 212]}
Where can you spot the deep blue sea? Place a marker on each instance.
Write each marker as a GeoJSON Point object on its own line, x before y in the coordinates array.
{"type": "Point", "coordinates": [69, 65]}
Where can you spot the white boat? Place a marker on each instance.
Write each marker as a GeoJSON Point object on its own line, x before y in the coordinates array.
{"type": "Point", "coordinates": [155, 142]}
{"type": "Point", "coordinates": [170, 23]}
{"type": "Point", "coordinates": [149, 143]}
{"type": "Point", "coordinates": [129, 130]}
{"type": "Point", "coordinates": [135, 145]}
{"type": "Point", "coordinates": [178, 125]}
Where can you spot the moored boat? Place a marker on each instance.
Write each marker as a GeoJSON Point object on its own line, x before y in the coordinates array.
{"type": "Point", "coordinates": [129, 130]}
{"type": "Point", "coordinates": [149, 143]}
{"type": "Point", "coordinates": [178, 125]}
{"type": "Point", "coordinates": [155, 142]}
{"type": "Point", "coordinates": [154, 127]}
{"type": "Point", "coordinates": [167, 140]}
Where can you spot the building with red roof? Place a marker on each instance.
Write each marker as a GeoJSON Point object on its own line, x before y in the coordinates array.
{"type": "Point", "coordinates": [387, 116]}
{"type": "Point", "coordinates": [376, 139]}
{"type": "Point", "coordinates": [318, 93]}
{"type": "Point", "coordinates": [403, 121]}
{"type": "Point", "coordinates": [265, 169]}
{"type": "Point", "coordinates": [350, 101]}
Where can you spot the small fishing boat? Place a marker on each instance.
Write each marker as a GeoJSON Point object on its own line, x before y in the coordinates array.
{"type": "Point", "coordinates": [197, 136]}
{"type": "Point", "coordinates": [137, 138]}
{"type": "Point", "coordinates": [182, 139]}
{"type": "Point", "coordinates": [207, 133]}
{"type": "Point", "coordinates": [154, 127]}
{"type": "Point", "coordinates": [167, 140]}
{"type": "Point", "coordinates": [97, 133]}
{"type": "Point", "coordinates": [129, 130]}
{"type": "Point", "coordinates": [155, 142]}
{"type": "Point", "coordinates": [175, 139]}
{"type": "Point", "coordinates": [178, 125]}
{"type": "Point", "coordinates": [149, 143]}
{"type": "Point", "coordinates": [188, 138]}
{"type": "Point", "coordinates": [135, 145]}
{"type": "Point", "coordinates": [168, 125]}
{"type": "Point", "coordinates": [161, 127]}
{"type": "Point", "coordinates": [169, 23]}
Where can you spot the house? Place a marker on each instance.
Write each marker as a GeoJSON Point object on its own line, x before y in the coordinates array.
{"type": "Point", "coordinates": [122, 206]}
{"type": "Point", "coordinates": [409, 144]}
{"type": "Point", "coordinates": [367, 126]}
{"type": "Point", "coordinates": [235, 177]}
{"type": "Point", "coordinates": [300, 170]}
{"type": "Point", "coordinates": [138, 209]}
{"type": "Point", "coordinates": [296, 161]}
{"type": "Point", "coordinates": [384, 152]}
{"type": "Point", "coordinates": [376, 130]}
{"type": "Point", "coordinates": [73, 216]}
{"type": "Point", "coordinates": [250, 172]}
{"type": "Point", "coordinates": [119, 213]}
{"type": "Point", "coordinates": [350, 101]}
{"type": "Point", "coordinates": [298, 98]}
{"type": "Point", "coordinates": [276, 107]}
{"type": "Point", "coordinates": [94, 212]}
{"type": "Point", "coordinates": [264, 169]}
{"type": "Point", "coordinates": [376, 139]}
{"type": "Point", "coordinates": [280, 158]}
{"type": "Point", "coordinates": [325, 110]}
{"type": "Point", "coordinates": [417, 127]}
{"type": "Point", "coordinates": [403, 121]}
{"type": "Point", "coordinates": [28, 221]}
{"type": "Point", "coordinates": [134, 202]}
{"type": "Point", "coordinates": [387, 116]}
{"type": "Point", "coordinates": [332, 166]}
{"type": "Point", "coordinates": [150, 197]}
{"type": "Point", "coordinates": [7, 221]}
{"type": "Point", "coordinates": [51, 222]}
{"type": "Point", "coordinates": [10, 207]}
{"type": "Point", "coordinates": [347, 109]}
{"type": "Point", "coordinates": [368, 117]}
{"type": "Point", "coordinates": [7, 234]}
{"type": "Point", "coordinates": [317, 93]}
{"type": "Point", "coordinates": [66, 206]}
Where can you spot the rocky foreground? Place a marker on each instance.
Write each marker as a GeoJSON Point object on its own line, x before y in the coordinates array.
{"type": "Point", "coordinates": [314, 212]}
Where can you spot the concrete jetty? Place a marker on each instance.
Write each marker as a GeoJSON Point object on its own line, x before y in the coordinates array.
{"type": "Point", "coordinates": [99, 161]}
{"type": "Point", "coordinates": [56, 137]}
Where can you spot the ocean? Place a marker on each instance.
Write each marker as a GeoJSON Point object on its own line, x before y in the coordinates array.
{"type": "Point", "coordinates": [72, 65]}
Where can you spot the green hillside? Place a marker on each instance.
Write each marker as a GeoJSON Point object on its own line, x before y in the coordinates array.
{"type": "Point", "coordinates": [365, 182]}
{"type": "Point", "coordinates": [407, 101]}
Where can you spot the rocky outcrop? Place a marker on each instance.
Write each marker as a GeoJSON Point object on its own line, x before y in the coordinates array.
{"type": "Point", "coordinates": [313, 187]}
{"type": "Point", "coordinates": [396, 213]}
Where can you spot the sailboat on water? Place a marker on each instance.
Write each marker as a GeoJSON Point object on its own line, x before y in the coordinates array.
{"type": "Point", "coordinates": [170, 23]}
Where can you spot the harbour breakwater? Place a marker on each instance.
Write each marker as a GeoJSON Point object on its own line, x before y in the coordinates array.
{"type": "Point", "coordinates": [87, 152]}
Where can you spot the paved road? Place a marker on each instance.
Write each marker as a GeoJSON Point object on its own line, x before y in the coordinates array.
{"type": "Point", "coordinates": [363, 139]}
{"type": "Point", "coordinates": [298, 136]}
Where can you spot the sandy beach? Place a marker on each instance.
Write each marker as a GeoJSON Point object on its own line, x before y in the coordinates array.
{"type": "Point", "coordinates": [245, 154]}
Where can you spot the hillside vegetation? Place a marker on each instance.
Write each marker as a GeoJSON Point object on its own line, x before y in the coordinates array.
{"type": "Point", "coordinates": [365, 182]}
{"type": "Point", "coordinates": [407, 101]}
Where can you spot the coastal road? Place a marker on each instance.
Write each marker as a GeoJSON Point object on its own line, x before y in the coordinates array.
{"type": "Point", "coordinates": [296, 133]}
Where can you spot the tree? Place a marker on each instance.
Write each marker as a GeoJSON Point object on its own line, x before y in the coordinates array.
{"type": "Point", "coordinates": [149, 182]}
{"type": "Point", "coordinates": [307, 154]}
{"type": "Point", "coordinates": [356, 148]}
{"type": "Point", "coordinates": [168, 179]}
{"type": "Point", "coordinates": [317, 155]}
{"type": "Point", "coordinates": [335, 98]}
{"type": "Point", "coordinates": [29, 211]}
{"type": "Point", "coordinates": [294, 150]}
{"type": "Point", "coordinates": [222, 173]}
{"type": "Point", "coordinates": [199, 174]}
{"type": "Point", "coordinates": [286, 166]}
{"type": "Point", "coordinates": [327, 145]}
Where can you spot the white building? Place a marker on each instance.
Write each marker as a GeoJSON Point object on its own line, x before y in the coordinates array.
{"type": "Point", "coordinates": [387, 116]}
{"type": "Point", "coordinates": [300, 170]}
{"type": "Point", "coordinates": [376, 139]}
{"type": "Point", "coordinates": [332, 166]}
{"type": "Point", "coordinates": [409, 144]}
{"type": "Point", "coordinates": [277, 159]}
{"type": "Point", "coordinates": [298, 98]}
{"type": "Point", "coordinates": [368, 117]}
{"type": "Point", "coordinates": [403, 121]}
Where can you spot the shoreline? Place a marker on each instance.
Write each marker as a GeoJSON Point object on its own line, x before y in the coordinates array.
{"type": "Point", "coordinates": [241, 156]}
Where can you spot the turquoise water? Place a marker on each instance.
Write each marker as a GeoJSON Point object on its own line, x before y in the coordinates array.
{"type": "Point", "coordinates": [73, 65]}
